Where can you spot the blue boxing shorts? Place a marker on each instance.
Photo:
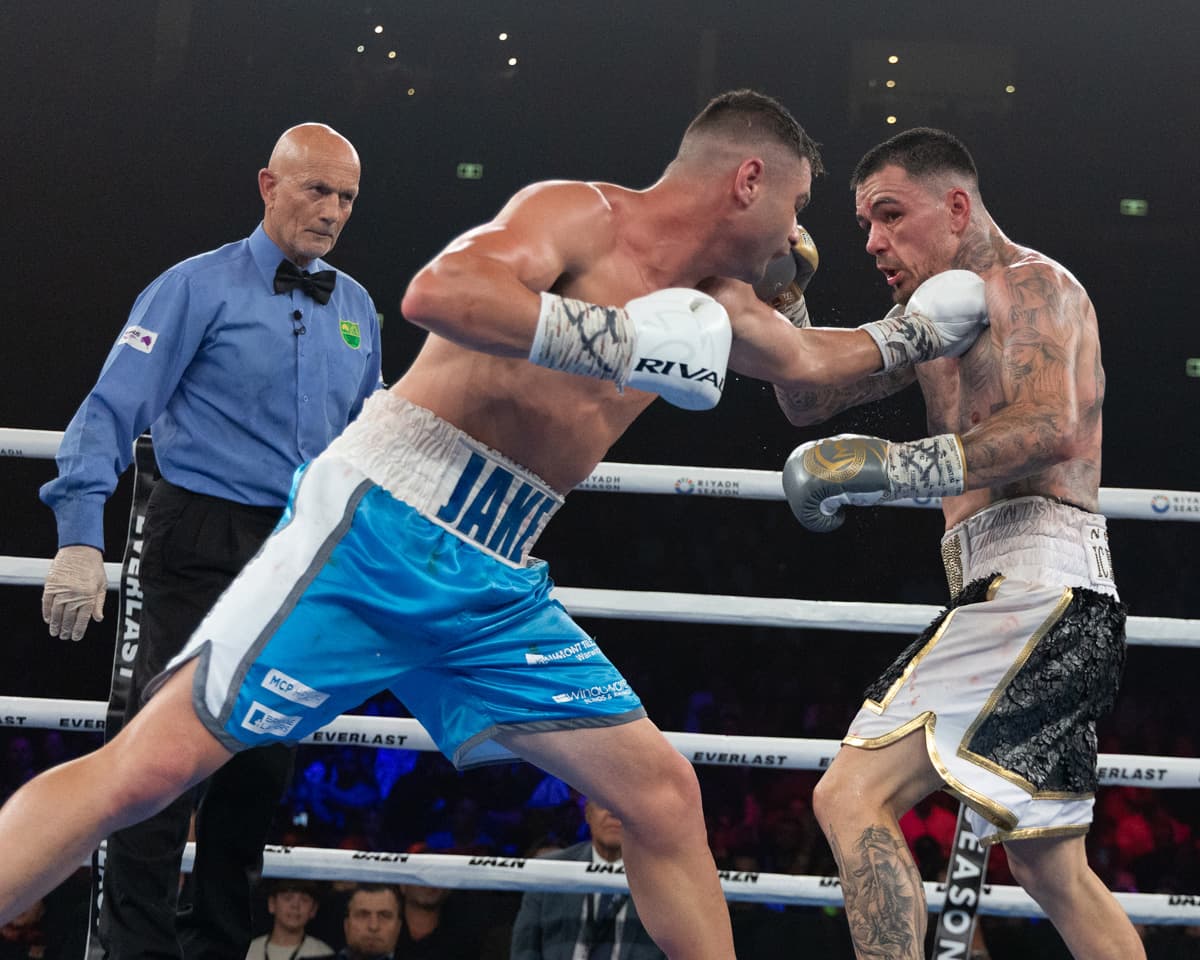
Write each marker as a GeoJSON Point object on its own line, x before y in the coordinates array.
{"type": "Point", "coordinates": [402, 563]}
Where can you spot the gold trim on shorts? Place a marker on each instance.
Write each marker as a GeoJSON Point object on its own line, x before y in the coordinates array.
{"type": "Point", "coordinates": [994, 812]}
{"type": "Point", "coordinates": [987, 808]}
{"type": "Point", "coordinates": [878, 706]}
{"type": "Point", "coordinates": [1035, 833]}
{"type": "Point", "coordinates": [980, 761]}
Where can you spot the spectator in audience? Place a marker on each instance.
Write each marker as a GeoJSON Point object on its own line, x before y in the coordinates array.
{"type": "Point", "coordinates": [373, 923]}
{"type": "Point", "coordinates": [292, 905]}
{"type": "Point", "coordinates": [426, 933]}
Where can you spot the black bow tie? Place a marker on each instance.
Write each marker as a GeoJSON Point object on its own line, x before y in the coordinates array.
{"type": "Point", "coordinates": [317, 285]}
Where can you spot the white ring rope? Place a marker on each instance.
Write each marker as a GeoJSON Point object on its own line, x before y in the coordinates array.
{"type": "Point", "coordinates": [574, 876]}
{"type": "Point", "coordinates": [721, 609]}
{"type": "Point", "coordinates": [1118, 503]}
{"type": "Point", "coordinates": [705, 749]}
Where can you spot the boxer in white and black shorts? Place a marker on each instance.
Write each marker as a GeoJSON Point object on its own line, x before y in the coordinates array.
{"type": "Point", "coordinates": [1009, 680]}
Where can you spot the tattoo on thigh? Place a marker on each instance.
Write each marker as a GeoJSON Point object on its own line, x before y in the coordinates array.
{"type": "Point", "coordinates": [885, 902]}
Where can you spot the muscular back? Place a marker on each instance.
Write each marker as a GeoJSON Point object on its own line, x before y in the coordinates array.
{"type": "Point", "coordinates": [1026, 399]}
{"type": "Point", "coordinates": [558, 425]}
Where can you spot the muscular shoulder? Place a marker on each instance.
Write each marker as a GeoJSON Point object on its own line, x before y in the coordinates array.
{"type": "Point", "coordinates": [576, 217]}
{"type": "Point", "coordinates": [569, 202]}
{"type": "Point", "coordinates": [1034, 290]}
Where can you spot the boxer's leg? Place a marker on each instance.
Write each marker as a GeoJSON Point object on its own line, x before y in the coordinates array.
{"type": "Point", "coordinates": [632, 770]}
{"type": "Point", "coordinates": [50, 825]}
{"type": "Point", "coordinates": [858, 802]}
{"type": "Point", "coordinates": [1054, 871]}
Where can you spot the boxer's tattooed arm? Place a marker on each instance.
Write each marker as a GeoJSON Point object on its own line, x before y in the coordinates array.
{"type": "Point", "coordinates": [930, 467]}
{"type": "Point", "coordinates": [804, 407]}
{"type": "Point", "coordinates": [1032, 428]}
{"type": "Point", "coordinates": [885, 900]}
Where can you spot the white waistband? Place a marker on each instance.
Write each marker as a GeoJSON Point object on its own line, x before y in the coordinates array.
{"type": "Point", "coordinates": [465, 486]}
{"type": "Point", "coordinates": [1030, 538]}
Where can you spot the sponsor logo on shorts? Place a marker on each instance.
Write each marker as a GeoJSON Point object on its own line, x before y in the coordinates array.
{"type": "Point", "coordinates": [1099, 558]}
{"type": "Point", "coordinates": [292, 689]}
{"type": "Point", "coordinates": [595, 694]}
{"type": "Point", "coordinates": [139, 338]}
{"type": "Point", "coordinates": [262, 719]}
{"type": "Point", "coordinates": [583, 650]}
{"type": "Point", "coordinates": [1160, 504]}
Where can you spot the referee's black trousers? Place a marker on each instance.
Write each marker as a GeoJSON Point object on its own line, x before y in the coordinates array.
{"type": "Point", "coordinates": [193, 546]}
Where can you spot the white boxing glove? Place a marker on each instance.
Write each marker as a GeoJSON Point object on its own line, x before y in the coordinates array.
{"type": "Point", "coordinates": [672, 342]}
{"type": "Point", "coordinates": [941, 319]}
{"type": "Point", "coordinates": [681, 347]}
{"type": "Point", "coordinates": [75, 589]}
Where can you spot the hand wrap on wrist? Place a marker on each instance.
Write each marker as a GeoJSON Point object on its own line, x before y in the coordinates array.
{"type": "Point", "coordinates": [579, 337]}
{"type": "Point", "coordinates": [903, 338]}
{"type": "Point", "coordinates": [929, 467]}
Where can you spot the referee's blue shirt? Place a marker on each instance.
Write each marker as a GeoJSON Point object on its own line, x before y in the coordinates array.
{"type": "Point", "coordinates": [212, 361]}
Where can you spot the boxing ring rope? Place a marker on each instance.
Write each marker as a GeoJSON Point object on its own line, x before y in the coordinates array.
{"type": "Point", "coordinates": [776, 753]}
{"type": "Point", "coordinates": [723, 609]}
{"type": "Point", "coordinates": [567, 876]}
{"type": "Point", "coordinates": [508, 873]}
{"type": "Point", "coordinates": [1117, 503]}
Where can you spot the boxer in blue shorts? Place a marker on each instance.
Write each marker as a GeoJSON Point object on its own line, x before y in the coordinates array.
{"type": "Point", "coordinates": [403, 561]}
{"type": "Point", "coordinates": [436, 549]}
{"type": "Point", "coordinates": [997, 702]}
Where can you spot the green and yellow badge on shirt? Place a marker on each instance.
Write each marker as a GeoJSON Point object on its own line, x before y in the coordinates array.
{"type": "Point", "coordinates": [350, 333]}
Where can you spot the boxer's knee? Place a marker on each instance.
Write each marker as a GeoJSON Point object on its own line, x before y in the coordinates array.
{"type": "Point", "coordinates": [141, 781]}
{"type": "Point", "coordinates": [667, 804]}
{"type": "Point", "coordinates": [826, 797]}
{"type": "Point", "coordinates": [1048, 868]}
{"type": "Point", "coordinates": [164, 751]}
{"type": "Point", "coordinates": [844, 791]}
